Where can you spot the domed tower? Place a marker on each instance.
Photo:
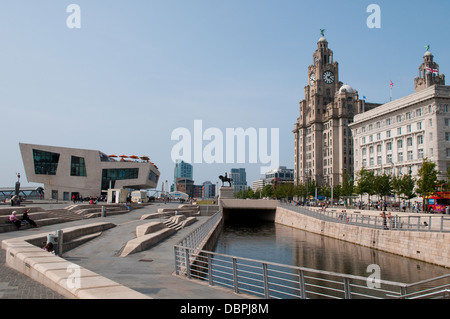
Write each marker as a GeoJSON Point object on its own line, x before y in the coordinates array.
{"type": "Point", "coordinates": [428, 73]}
{"type": "Point", "coordinates": [323, 142]}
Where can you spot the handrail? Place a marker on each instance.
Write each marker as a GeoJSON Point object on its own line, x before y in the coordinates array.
{"type": "Point", "coordinates": [274, 280]}
{"type": "Point", "coordinates": [401, 223]}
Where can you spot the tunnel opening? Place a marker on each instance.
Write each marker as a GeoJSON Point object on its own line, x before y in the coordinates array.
{"type": "Point", "coordinates": [236, 215]}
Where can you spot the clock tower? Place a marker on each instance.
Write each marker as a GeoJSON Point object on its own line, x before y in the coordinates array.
{"type": "Point", "coordinates": [323, 142]}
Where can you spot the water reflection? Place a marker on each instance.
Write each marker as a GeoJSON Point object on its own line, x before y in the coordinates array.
{"type": "Point", "coordinates": [281, 244]}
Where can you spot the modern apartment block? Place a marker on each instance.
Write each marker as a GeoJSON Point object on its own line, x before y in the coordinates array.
{"type": "Point", "coordinates": [239, 177]}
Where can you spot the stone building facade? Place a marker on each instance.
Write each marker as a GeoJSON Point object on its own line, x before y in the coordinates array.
{"type": "Point", "coordinates": [396, 137]}
{"type": "Point", "coordinates": [323, 140]}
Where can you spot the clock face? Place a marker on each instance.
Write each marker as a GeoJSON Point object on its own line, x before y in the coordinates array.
{"type": "Point", "coordinates": [312, 78]}
{"type": "Point", "coordinates": [328, 77]}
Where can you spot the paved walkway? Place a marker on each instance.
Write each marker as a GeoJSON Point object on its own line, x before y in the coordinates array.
{"type": "Point", "coordinates": [149, 272]}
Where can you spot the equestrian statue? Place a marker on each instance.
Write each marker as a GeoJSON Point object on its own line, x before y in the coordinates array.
{"type": "Point", "coordinates": [225, 179]}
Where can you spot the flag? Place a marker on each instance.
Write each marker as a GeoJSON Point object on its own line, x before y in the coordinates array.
{"type": "Point", "coordinates": [364, 97]}
{"type": "Point", "coordinates": [431, 70]}
{"type": "Point", "coordinates": [392, 84]}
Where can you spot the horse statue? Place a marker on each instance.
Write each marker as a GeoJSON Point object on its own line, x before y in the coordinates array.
{"type": "Point", "coordinates": [225, 179]}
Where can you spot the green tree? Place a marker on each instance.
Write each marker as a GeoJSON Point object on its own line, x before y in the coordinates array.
{"type": "Point", "coordinates": [427, 180]}
{"type": "Point", "coordinates": [267, 191]}
{"type": "Point", "coordinates": [407, 187]}
{"type": "Point", "coordinates": [383, 185]}
{"type": "Point", "coordinates": [365, 180]}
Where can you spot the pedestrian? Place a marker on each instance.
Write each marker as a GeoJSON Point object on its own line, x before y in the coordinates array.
{"type": "Point", "coordinates": [13, 219]}
{"type": "Point", "coordinates": [49, 247]}
{"type": "Point", "coordinates": [385, 205]}
{"type": "Point", "coordinates": [383, 215]}
{"type": "Point", "coordinates": [27, 219]}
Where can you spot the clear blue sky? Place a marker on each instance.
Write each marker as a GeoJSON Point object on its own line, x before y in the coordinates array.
{"type": "Point", "coordinates": [136, 70]}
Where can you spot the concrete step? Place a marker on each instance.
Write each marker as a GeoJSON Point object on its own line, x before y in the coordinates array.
{"type": "Point", "coordinates": [41, 222]}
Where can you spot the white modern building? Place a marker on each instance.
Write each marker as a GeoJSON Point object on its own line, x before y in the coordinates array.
{"type": "Point", "coordinates": [69, 171]}
{"type": "Point", "coordinates": [259, 184]}
{"type": "Point", "coordinates": [395, 138]}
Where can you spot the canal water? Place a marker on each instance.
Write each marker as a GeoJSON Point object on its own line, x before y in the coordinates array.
{"type": "Point", "coordinates": [272, 242]}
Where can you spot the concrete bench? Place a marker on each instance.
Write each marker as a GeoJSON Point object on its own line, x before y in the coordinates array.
{"type": "Point", "coordinates": [64, 277]}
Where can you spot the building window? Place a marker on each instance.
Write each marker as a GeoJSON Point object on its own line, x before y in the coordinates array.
{"type": "Point", "coordinates": [389, 158]}
{"type": "Point", "coordinates": [45, 163]}
{"type": "Point", "coordinates": [77, 166]}
{"type": "Point", "coordinates": [447, 136]}
{"type": "Point", "coordinates": [408, 128]}
{"type": "Point", "coordinates": [420, 153]}
{"type": "Point", "coordinates": [153, 177]}
{"type": "Point", "coordinates": [400, 157]}
{"type": "Point", "coordinates": [410, 155]}
{"type": "Point", "coordinates": [408, 115]}
{"type": "Point", "coordinates": [419, 112]}
{"type": "Point", "coordinates": [399, 118]}
{"type": "Point", "coordinates": [400, 144]}
{"type": "Point", "coordinates": [448, 152]}
{"type": "Point", "coordinates": [420, 139]}
{"type": "Point", "coordinates": [388, 133]}
{"type": "Point", "coordinates": [389, 146]}
{"type": "Point", "coordinates": [379, 160]}
{"type": "Point", "coordinates": [409, 141]}
{"type": "Point", "coordinates": [399, 131]}
{"type": "Point", "coordinates": [114, 174]}
{"type": "Point", "coordinates": [419, 125]}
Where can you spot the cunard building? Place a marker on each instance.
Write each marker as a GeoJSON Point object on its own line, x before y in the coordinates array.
{"type": "Point", "coordinates": [396, 137]}
{"type": "Point", "coordinates": [323, 139]}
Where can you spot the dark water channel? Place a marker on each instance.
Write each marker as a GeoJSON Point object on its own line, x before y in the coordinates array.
{"type": "Point", "coordinates": [272, 242]}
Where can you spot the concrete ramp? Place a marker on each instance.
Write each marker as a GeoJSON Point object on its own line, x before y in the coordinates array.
{"type": "Point", "coordinates": [146, 241]}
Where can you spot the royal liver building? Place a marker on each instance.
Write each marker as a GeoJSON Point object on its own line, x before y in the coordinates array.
{"type": "Point", "coordinates": [323, 141]}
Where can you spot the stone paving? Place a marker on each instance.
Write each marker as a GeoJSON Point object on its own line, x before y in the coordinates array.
{"type": "Point", "coordinates": [14, 285]}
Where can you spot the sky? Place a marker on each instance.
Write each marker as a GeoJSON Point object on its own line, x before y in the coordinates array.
{"type": "Point", "coordinates": [134, 72]}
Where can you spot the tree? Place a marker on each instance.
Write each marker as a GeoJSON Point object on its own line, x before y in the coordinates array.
{"type": "Point", "coordinates": [365, 182]}
{"type": "Point", "coordinates": [383, 185]}
{"type": "Point", "coordinates": [407, 186]}
{"type": "Point", "coordinates": [267, 191]}
{"type": "Point", "coordinates": [347, 184]}
{"type": "Point", "coordinates": [427, 180]}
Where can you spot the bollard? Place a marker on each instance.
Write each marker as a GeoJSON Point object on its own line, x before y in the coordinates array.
{"type": "Point", "coordinates": [59, 251]}
{"type": "Point", "coordinates": [103, 211]}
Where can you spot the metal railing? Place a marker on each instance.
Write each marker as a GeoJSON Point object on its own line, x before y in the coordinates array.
{"type": "Point", "coordinates": [396, 222]}
{"type": "Point", "coordinates": [277, 281]}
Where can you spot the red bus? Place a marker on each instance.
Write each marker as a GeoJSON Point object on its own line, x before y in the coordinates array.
{"type": "Point", "coordinates": [438, 202]}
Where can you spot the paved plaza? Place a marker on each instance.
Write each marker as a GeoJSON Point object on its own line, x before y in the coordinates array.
{"type": "Point", "coordinates": [149, 272]}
